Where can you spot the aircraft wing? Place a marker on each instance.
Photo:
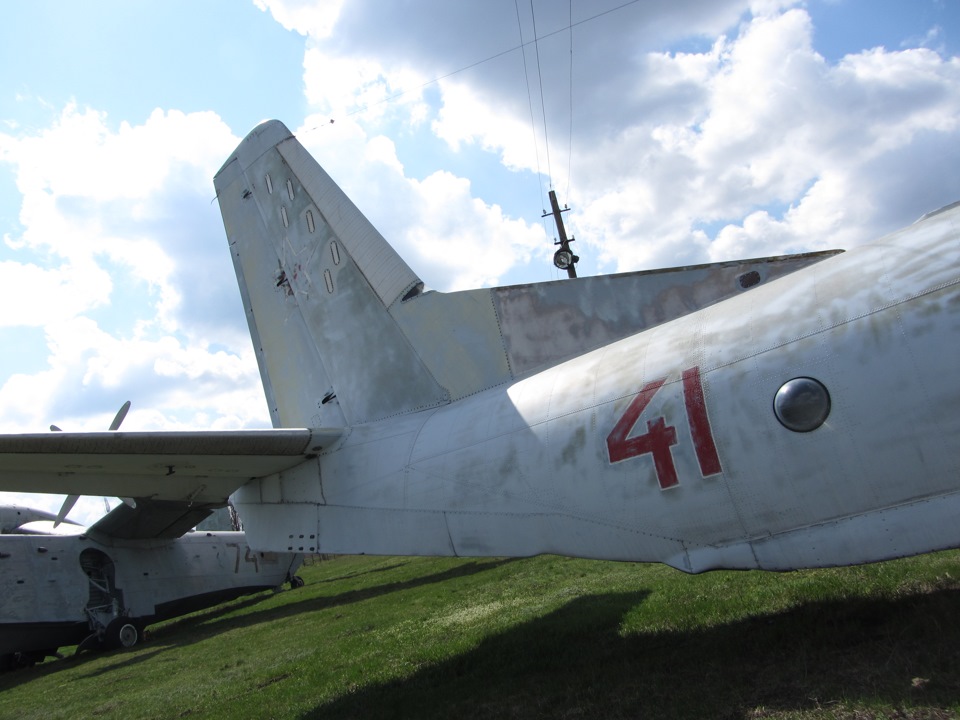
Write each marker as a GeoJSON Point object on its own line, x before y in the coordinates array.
{"type": "Point", "coordinates": [176, 478]}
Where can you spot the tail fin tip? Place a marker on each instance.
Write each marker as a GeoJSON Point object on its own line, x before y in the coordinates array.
{"type": "Point", "coordinates": [264, 137]}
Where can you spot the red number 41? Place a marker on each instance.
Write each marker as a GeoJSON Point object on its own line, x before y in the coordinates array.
{"type": "Point", "coordinates": [660, 437]}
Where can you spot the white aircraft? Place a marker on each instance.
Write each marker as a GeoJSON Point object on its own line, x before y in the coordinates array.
{"type": "Point", "coordinates": [101, 586]}
{"type": "Point", "coordinates": [97, 587]}
{"type": "Point", "coordinates": [777, 413]}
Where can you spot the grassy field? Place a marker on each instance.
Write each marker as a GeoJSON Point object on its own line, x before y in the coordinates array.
{"type": "Point", "coordinates": [542, 637]}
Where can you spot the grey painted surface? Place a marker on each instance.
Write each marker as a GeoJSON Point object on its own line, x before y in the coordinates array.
{"type": "Point", "coordinates": [628, 417]}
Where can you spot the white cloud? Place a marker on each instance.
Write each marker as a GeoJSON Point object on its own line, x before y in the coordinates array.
{"type": "Point", "coordinates": [123, 261]}
{"type": "Point", "coordinates": [461, 239]}
{"type": "Point", "coordinates": [34, 296]}
{"type": "Point", "coordinates": [759, 120]}
{"type": "Point", "coordinates": [468, 117]}
{"type": "Point", "coordinates": [307, 17]}
{"type": "Point", "coordinates": [82, 185]}
{"type": "Point", "coordinates": [436, 224]}
{"type": "Point", "coordinates": [172, 385]}
{"type": "Point", "coordinates": [765, 8]}
{"type": "Point", "coordinates": [777, 128]}
{"type": "Point", "coordinates": [702, 130]}
{"type": "Point", "coordinates": [756, 145]}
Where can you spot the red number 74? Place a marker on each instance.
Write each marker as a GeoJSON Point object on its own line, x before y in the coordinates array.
{"type": "Point", "coordinates": [660, 437]}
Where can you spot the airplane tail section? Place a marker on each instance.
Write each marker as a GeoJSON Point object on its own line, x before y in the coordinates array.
{"type": "Point", "coordinates": [317, 281]}
{"type": "Point", "coordinates": [344, 333]}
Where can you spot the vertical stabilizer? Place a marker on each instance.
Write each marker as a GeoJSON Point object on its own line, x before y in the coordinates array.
{"type": "Point", "coordinates": [317, 281]}
{"type": "Point", "coordinates": [344, 334]}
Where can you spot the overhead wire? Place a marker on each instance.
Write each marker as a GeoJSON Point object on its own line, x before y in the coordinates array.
{"type": "Point", "coordinates": [478, 62]}
{"type": "Point", "coordinates": [526, 76]}
{"type": "Point", "coordinates": [570, 146]}
{"type": "Point", "coordinates": [543, 108]}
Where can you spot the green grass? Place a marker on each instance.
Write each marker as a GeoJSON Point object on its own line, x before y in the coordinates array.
{"type": "Point", "coordinates": [543, 637]}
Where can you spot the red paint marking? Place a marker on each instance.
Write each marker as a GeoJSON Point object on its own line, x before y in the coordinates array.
{"type": "Point", "coordinates": [657, 441]}
{"type": "Point", "coordinates": [617, 443]}
{"type": "Point", "coordinates": [660, 437]}
{"type": "Point", "coordinates": [699, 423]}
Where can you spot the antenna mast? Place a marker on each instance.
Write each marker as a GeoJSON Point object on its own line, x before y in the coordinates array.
{"type": "Point", "coordinates": [563, 259]}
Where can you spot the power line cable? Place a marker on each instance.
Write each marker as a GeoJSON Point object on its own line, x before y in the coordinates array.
{"type": "Point", "coordinates": [570, 146]}
{"type": "Point", "coordinates": [543, 108]}
{"type": "Point", "coordinates": [526, 76]}
{"type": "Point", "coordinates": [481, 62]}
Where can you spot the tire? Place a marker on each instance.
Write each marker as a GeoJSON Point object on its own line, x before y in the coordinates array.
{"type": "Point", "coordinates": [296, 582]}
{"type": "Point", "coordinates": [121, 633]}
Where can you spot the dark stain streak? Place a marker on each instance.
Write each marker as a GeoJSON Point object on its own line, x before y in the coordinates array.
{"type": "Point", "coordinates": [574, 447]}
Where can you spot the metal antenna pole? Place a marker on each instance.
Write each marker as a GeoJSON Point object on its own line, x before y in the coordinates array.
{"type": "Point", "coordinates": [564, 259]}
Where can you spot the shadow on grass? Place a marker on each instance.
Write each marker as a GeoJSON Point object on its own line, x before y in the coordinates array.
{"type": "Point", "coordinates": [350, 576]}
{"type": "Point", "coordinates": [124, 660]}
{"type": "Point", "coordinates": [574, 662]}
{"type": "Point", "coordinates": [206, 623]}
{"type": "Point", "coordinates": [69, 658]}
{"type": "Point", "coordinates": [191, 629]}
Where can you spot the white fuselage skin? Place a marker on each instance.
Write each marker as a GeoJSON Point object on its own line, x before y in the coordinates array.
{"type": "Point", "coordinates": [47, 592]}
{"type": "Point", "coordinates": [525, 468]}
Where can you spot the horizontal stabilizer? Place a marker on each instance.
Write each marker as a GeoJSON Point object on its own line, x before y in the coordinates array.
{"type": "Point", "coordinates": [475, 339]}
{"type": "Point", "coordinates": [545, 323]}
{"type": "Point", "coordinates": [150, 519]}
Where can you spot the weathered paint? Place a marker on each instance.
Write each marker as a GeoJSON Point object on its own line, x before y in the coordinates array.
{"type": "Point", "coordinates": [462, 425]}
{"type": "Point", "coordinates": [356, 325]}
{"type": "Point", "coordinates": [191, 468]}
{"type": "Point", "coordinates": [45, 590]}
{"type": "Point", "coordinates": [523, 464]}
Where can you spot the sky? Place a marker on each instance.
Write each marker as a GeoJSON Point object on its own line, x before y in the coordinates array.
{"type": "Point", "coordinates": [677, 132]}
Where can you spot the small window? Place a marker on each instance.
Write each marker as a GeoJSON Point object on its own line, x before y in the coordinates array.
{"type": "Point", "coordinates": [328, 279]}
{"type": "Point", "coordinates": [335, 252]}
{"type": "Point", "coordinates": [283, 216]}
{"type": "Point", "coordinates": [290, 189]}
{"type": "Point", "coordinates": [310, 226]}
{"type": "Point", "coordinates": [749, 279]}
{"type": "Point", "coordinates": [269, 183]}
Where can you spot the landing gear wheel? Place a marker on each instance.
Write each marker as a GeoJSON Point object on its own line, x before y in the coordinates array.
{"type": "Point", "coordinates": [128, 635]}
{"type": "Point", "coordinates": [296, 582]}
{"type": "Point", "coordinates": [121, 633]}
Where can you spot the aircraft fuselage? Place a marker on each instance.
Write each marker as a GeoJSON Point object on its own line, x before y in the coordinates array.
{"type": "Point", "coordinates": [665, 445]}
{"type": "Point", "coordinates": [54, 583]}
